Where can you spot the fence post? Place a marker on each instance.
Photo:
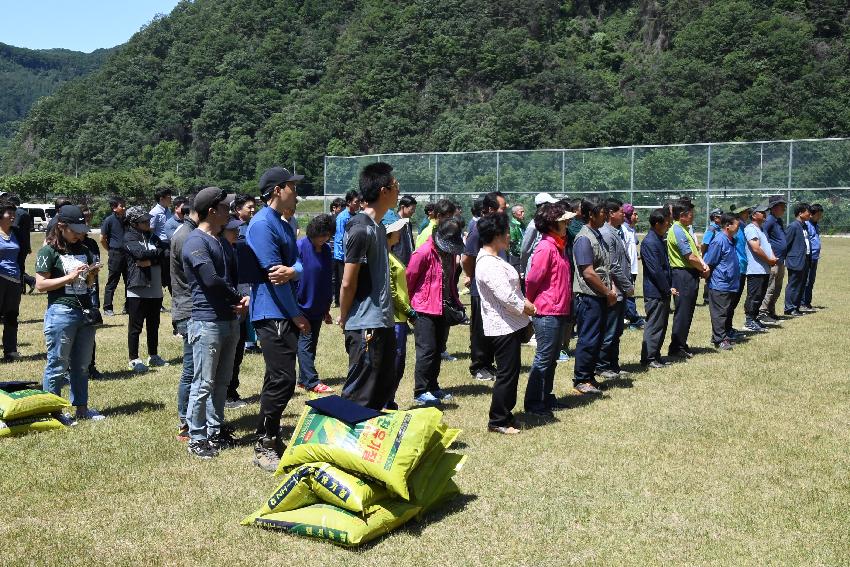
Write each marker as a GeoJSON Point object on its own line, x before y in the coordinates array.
{"type": "Point", "coordinates": [788, 198]}
{"type": "Point", "coordinates": [632, 178]}
{"type": "Point", "coordinates": [325, 183]}
{"type": "Point", "coordinates": [436, 173]}
{"type": "Point", "coordinates": [563, 172]}
{"type": "Point", "coordinates": [708, 187]}
{"type": "Point", "coordinates": [497, 169]}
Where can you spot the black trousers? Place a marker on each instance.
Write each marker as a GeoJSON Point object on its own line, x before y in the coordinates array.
{"type": "Point", "coordinates": [143, 311]}
{"type": "Point", "coordinates": [507, 349]}
{"type": "Point", "coordinates": [657, 318]}
{"type": "Point", "coordinates": [237, 360]}
{"type": "Point", "coordinates": [165, 266]}
{"type": "Point", "coordinates": [796, 286]}
{"type": "Point", "coordinates": [117, 265]}
{"type": "Point", "coordinates": [720, 310]}
{"type": "Point", "coordinates": [756, 290]}
{"type": "Point", "coordinates": [686, 281]}
{"type": "Point", "coordinates": [339, 268]}
{"type": "Point", "coordinates": [371, 380]}
{"type": "Point", "coordinates": [481, 351]}
{"type": "Point", "coordinates": [280, 348]}
{"type": "Point", "coordinates": [10, 304]}
{"type": "Point", "coordinates": [742, 283]}
{"type": "Point", "coordinates": [429, 333]}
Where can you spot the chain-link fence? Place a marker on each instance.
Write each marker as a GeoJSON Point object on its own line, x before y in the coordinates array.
{"type": "Point", "coordinates": [712, 175]}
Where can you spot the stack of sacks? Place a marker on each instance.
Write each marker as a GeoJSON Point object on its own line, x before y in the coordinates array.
{"type": "Point", "coordinates": [349, 484]}
{"type": "Point", "coordinates": [27, 411]}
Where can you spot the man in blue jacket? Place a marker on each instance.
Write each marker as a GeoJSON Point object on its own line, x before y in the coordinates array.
{"type": "Point", "coordinates": [816, 212]}
{"type": "Point", "coordinates": [722, 258]}
{"type": "Point", "coordinates": [274, 310]}
{"type": "Point", "coordinates": [798, 258]}
{"type": "Point", "coordinates": [657, 288]}
{"type": "Point", "coordinates": [352, 204]}
{"type": "Point", "coordinates": [774, 229]}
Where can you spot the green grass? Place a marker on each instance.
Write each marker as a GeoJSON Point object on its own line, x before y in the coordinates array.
{"type": "Point", "coordinates": [736, 458]}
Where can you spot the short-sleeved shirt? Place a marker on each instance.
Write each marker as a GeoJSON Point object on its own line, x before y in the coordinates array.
{"type": "Point", "coordinates": [366, 243]}
{"type": "Point", "coordinates": [57, 265]}
{"type": "Point", "coordinates": [722, 257]}
{"type": "Point", "coordinates": [710, 232]}
{"type": "Point", "coordinates": [755, 265]}
{"type": "Point", "coordinates": [341, 221]}
{"type": "Point", "coordinates": [682, 240]}
{"type": "Point", "coordinates": [10, 250]}
{"type": "Point", "coordinates": [583, 252]}
{"type": "Point", "coordinates": [113, 229]}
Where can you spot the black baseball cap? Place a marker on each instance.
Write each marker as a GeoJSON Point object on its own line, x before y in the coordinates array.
{"type": "Point", "coordinates": [276, 177]}
{"type": "Point", "coordinates": [73, 217]}
{"type": "Point", "coordinates": [210, 197]}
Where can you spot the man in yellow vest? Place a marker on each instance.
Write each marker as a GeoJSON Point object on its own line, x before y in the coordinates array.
{"type": "Point", "coordinates": [688, 267]}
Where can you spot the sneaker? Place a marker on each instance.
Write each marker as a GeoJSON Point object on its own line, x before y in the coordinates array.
{"type": "Point", "coordinates": [253, 349]}
{"type": "Point", "coordinates": [183, 432]}
{"type": "Point", "coordinates": [235, 403]}
{"type": "Point", "coordinates": [66, 419]}
{"type": "Point", "coordinates": [137, 366]}
{"type": "Point", "coordinates": [609, 374]}
{"type": "Point", "coordinates": [807, 309]}
{"type": "Point", "coordinates": [156, 360]}
{"type": "Point", "coordinates": [267, 454]}
{"type": "Point", "coordinates": [768, 319]}
{"type": "Point", "coordinates": [755, 327]}
{"type": "Point", "coordinates": [222, 440]}
{"type": "Point", "coordinates": [91, 414]}
{"type": "Point", "coordinates": [541, 416]}
{"type": "Point", "coordinates": [426, 399]}
{"type": "Point", "coordinates": [484, 375]}
{"type": "Point", "coordinates": [563, 356]}
{"type": "Point", "coordinates": [447, 357]}
{"type": "Point", "coordinates": [655, 364]}
{"type": "Point", "coordinates": [725, 344]}
{"type": "Point", "coordinates": [13, 356]}
{"type": "Point", "coordinates": [322, 388]}
{"type": "Point", "coordinates": [587, 388]}
{"type": "Point", "coordinates": [202, 449]}
{"type": "Point", "coordinates": [793, 313]}
{"type": "Point", "coordinates": [443, 396]}
{"type": "Point", "coordinates": [109, 312]}
{"type": "Point", "coordinates": [503, 429]}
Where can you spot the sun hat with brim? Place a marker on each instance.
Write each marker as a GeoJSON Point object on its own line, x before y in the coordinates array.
{"type": "Point", "coordinates": [397, 225]}
{"type": "Point", "coordinates": [448, 237]}
{"type": "Point", "coordinates": [741, 210]}
{"type": "Point", "coordinates": [135, 215]}
{"type": "Point", "coordinates": [566, 216]}
{"type": "Point", "coordinates": [73, 217]}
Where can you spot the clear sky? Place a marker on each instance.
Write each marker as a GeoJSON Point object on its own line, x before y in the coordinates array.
{"type": "Point", "coordinates": [81, 25]}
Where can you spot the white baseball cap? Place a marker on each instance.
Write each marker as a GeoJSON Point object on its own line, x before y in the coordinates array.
{"type": "Point", "coordinates": [541, 198]}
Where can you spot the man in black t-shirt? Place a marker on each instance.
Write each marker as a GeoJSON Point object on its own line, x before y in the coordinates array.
{"type": "Point", "coordinates": [112, 238]}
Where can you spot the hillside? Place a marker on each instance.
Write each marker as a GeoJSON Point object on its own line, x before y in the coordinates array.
{"type": "Point", "coordinates": [219, 89]}
{"type": "Point", "coordinates": [29, 74]}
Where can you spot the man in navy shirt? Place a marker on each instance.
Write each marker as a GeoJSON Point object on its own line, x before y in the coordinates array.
{"type": "Point", "coordinates": [657, 288]}
{"type": "Point", "coordinates": [815, 215]}
{"type": "Point", "coordinates": [798, 259]}
{"type": "Point", "coordinates": [112, 238]}
{"type": "Point", "coordinates": [774, 229]}
{"type": "Point", "coordinates": [725, 279]}
{"type": "Point", "coordinates": [274, 310]}
{"type": "Point", "coordinates": [210, 267]}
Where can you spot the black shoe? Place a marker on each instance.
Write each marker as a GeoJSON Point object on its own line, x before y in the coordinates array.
{"type": "Point", "coordinates": [768, 319]}
{"type": "Point", "coordinates": [793, 313]}
{"type": "Point", "coordinates": [542, 416]}
{"type": "Point", "coordinates": [235, 403]}
{"type": "Point", "coordinates": [224, 439]}
{"type": "Point", "coordinates": [588, 389]}
{"type": "Point", "coordinates": [681, 353]}
{"type": "Point", "coordinates": [253, 349]}
{"type": "Point", "coordinates": [202, 449]}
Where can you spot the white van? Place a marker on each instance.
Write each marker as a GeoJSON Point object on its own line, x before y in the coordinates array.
{"type": "Point", "coordinates": [41, 214]}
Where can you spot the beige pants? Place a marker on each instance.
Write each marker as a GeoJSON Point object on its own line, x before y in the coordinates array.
{"type": "Point", "coordinates": [774, 288]}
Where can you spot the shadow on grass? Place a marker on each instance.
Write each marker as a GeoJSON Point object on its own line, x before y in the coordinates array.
{"type": "Point", "coordinates": [30, 321]}
{"type": "Point", "coordinates": [577, 401]}
{"type": "Point", "coordinates": [117, 375]}
{"type": "Point", "coordinates": [618, 383]}
{"type": "Point", "coordinates": [134, 408]}
{"type": "Point", "coordinates": [459, 356]}
{"type": "Point", "coordinates": [36, 356]}
{"type": "Point", "coordinates": [471, 389]}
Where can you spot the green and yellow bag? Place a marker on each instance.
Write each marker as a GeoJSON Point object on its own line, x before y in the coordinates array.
{"type": "Point", "coordinates": [293, 493]}
{"type": "Point", "coordinates": [24, 403]}
{"type": "Point", "coordinates": [333, 524]}
{"type": "Point", "coordinates": [337, 487]}
{"type": "Point", "coordinates": [31, 424]}
{"type": "Point", "coordinates": [385, 448]}
{"type": "Point", "coordinates": [431, 483]}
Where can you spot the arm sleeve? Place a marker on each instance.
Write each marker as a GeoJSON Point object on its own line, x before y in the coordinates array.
{"type": "Point", "coordinates": [537, 271]}
{"type": "Point", "coordinates": [200, 261]}
{"type": "Point", "coordinates": [138, 252]}
{"type": "Point", "coordinates": [582, 252]}
{"type": "Point", "coordinates": [494, 279]}
{"type": "Point", "coordinates": [620, 272]}
{"type": "Point", "coordinates": [712, 255]}
{"type": "Point", "coordinates": [682, 241]}
{"type": "Point", "coordinates": [261, 239]}
{"type": "Point", "coordinates": [653, 269]}
{"type": "Point", "coordinates": [527, 244]}
{"type": "Point", "coordinates": [357, 245]}
{"type": "Point", "coordinates": [415, 271]}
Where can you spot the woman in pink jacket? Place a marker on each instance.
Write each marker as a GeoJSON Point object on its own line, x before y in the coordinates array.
{"type": "Point", "coordinates": [430, 281]}
{"type": "Point", "coordinates": [548, 285]}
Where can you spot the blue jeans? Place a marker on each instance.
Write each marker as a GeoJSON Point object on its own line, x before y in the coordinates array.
{"type": "Point", "coordinates": [184, 387]}
{"type": "Point", "coordinates": [70, 341]}
{"type": "Point", "coordinates": [308, 377]}
{"type": "Point", "coordinates": [213, 350]}
{"type": "Point", "coordinates": [609, 352]}
{"type": "Point", "coordinates": [548, 330]}
{"type": "Point", "coordinates": [632, 314]}
{"type": "Point", "coordinates": [591, 316]}
{"type": "Point", "coordinates": [251, 334]}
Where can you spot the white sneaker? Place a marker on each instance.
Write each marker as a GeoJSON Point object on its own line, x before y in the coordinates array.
{"type": "Point", "coordinates": [137, 366]}
{"type": "Point", "coordinates": [91, 414]}
{"type": "Point", "coordinates": [157, 360]}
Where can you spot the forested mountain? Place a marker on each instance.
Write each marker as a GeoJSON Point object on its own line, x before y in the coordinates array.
{"type": "Point", "coordinates": [223, 88]}
{"type": "Point", "coordinates": [28, 74]}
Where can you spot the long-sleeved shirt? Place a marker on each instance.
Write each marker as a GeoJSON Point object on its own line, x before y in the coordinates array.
{"type": "Point", "coordinates": [548, 282]}
{"type": "Point", "coordinates": [502, 302]}
{"type": "Point", "coordinates": [181, 295]}
{"type": "Point", "coordinates": [621, 264]}
{"type": "Point", "coordinates": [314, 289]}
{"type": "Point", "coordinates": [529, 244]}
{"type": "Point", "coordinates": [657, 275]}
{"type": "Point", "coordinates": [774, 228]}
{"type": "Point", "coordinates": [341, 220]}
{"type": "Point", "coordinates": [631, 246]}
{"type": "Point", "coordinates": [210, 267]}
{"type": "Point", "coordinates": [814, 239]}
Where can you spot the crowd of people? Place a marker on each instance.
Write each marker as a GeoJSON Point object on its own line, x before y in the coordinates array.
{"type": "Point", "coordinates": [241, 282]}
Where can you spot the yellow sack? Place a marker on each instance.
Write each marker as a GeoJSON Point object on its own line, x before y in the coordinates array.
{"type": "Point", "coordinates": [24, 403]}
{"type": "Point", "coordinates": [29, 424]}
{"type": "Point", "coordinates": [431, 483]}
{"type": "Point", "coordinates": [385, 448]}
{"type": "Point", "coordinates": [323, 521]}
{"type": "Point", "coordinates": [293, 493]}
{"type": "Point", "coordinates": [337, 487]}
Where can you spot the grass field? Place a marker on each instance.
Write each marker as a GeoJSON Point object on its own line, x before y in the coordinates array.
{"type": "Point", "coordinates": [737, 458]}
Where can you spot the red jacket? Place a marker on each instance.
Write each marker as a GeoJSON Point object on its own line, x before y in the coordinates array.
{"type": "Point", "coordinates": [425, 280]}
